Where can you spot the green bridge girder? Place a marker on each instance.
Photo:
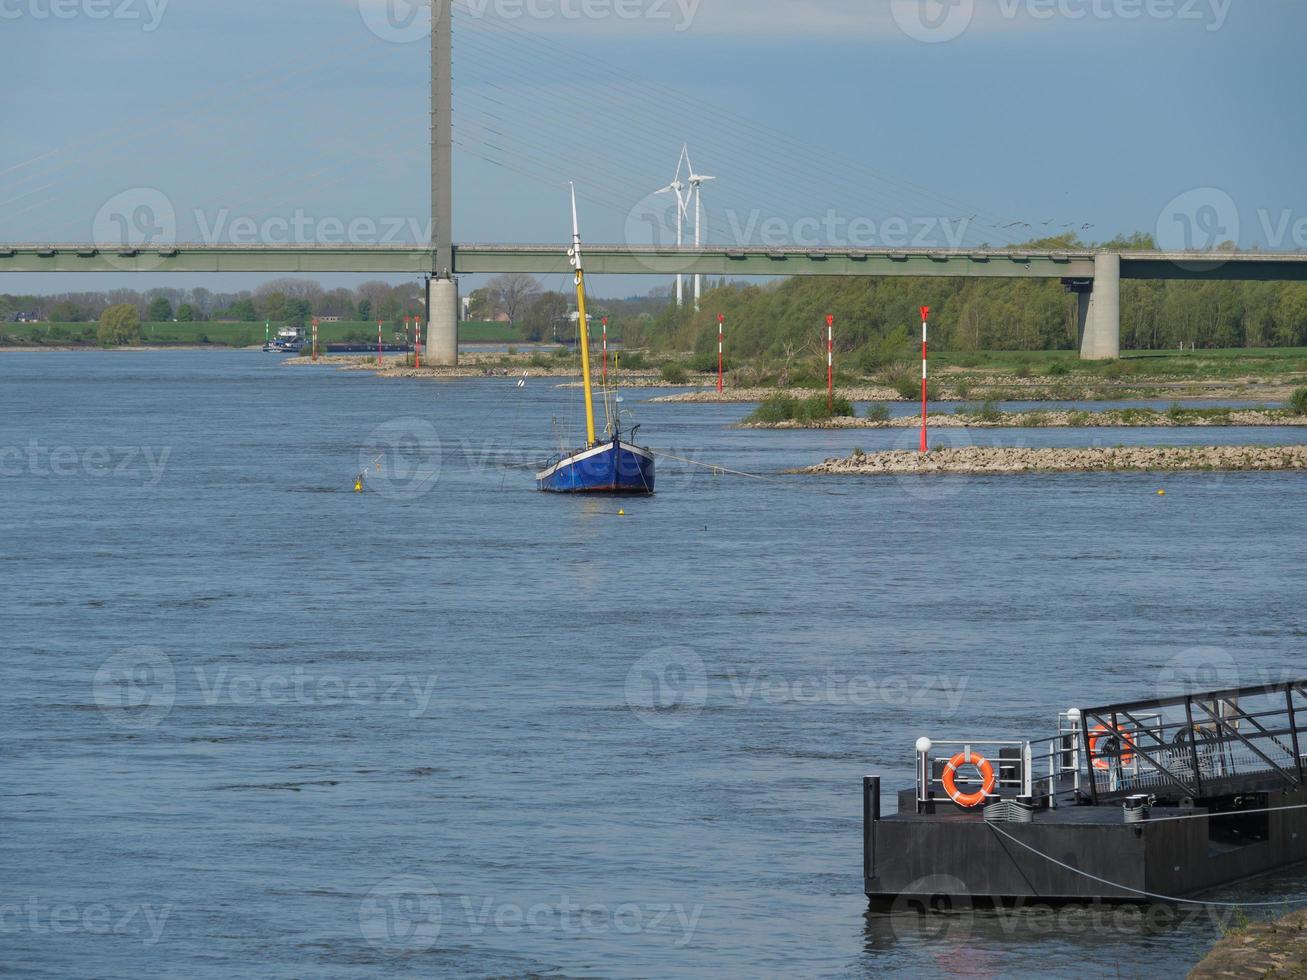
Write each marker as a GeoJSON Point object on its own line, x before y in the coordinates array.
{"type": "Point", "coordinates": [627, 260]}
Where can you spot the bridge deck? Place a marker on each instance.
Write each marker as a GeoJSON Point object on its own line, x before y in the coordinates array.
{"type": "Point", "coordinates": [627, 260]}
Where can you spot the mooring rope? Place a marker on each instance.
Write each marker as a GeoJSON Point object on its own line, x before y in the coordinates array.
{"type": "Point", "coordinates": [787, 484]}
{"type": "Point", "coordinates": [1226, 813]}
{"type": "Point", "coordinates": [1136, 891]}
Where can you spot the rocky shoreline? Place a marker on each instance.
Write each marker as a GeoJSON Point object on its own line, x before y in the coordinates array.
{"type": "Point", "coordinates": [1264, 949]}
{"type": "Point", "coordinates": [1114, 418]}
{"type": "Point", "coordinates": [993, 460]}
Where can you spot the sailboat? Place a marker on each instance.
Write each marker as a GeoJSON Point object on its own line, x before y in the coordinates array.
{"type": "Point", "coordinates": [608, 465]}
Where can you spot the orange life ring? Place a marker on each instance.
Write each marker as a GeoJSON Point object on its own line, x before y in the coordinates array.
{"type": "Point", "coordinates": [1102, 731]}
{"type": "Point", "coordinates": [986, 773]}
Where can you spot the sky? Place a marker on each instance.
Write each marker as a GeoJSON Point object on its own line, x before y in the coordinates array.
{"type": "Point", "coordinates": [825, 122]}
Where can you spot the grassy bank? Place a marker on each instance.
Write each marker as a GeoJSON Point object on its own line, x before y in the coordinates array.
{"type": "Point", "coordinates": [773, 415]}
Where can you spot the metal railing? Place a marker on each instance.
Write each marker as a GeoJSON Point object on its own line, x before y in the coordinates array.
{"type": "Point", "coordinates": [1197, 745]}
{"type": "Point", "coordinates": [1178, 748]}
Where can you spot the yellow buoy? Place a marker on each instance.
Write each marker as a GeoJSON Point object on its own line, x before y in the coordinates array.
{"type": "Point", "coordinates": [621, 513]}
{"type": "Point", "coordinates": [1161, 493]}
{"type": "Point", "coordinates": [358, 486]}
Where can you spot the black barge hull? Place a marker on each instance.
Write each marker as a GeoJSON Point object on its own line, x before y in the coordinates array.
{"type": "Point", "coordinates": [1143, 801]}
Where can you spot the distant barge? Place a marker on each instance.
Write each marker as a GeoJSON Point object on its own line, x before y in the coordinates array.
{"type": "Point", "coordinates": [1141, 801]}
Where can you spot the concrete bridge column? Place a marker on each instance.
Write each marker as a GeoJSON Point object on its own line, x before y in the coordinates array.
{"type": "Point", "coordinates": [442, 323]}
{"type": "Point", "coordinates": [1100, 317]}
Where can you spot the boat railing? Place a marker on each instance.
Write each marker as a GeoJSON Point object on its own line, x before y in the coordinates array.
{"type": "Point", "coordinates": [1179, 748]}
{"type": "Point", "coordinates": [1011, 760]}
{"type": "Point", "coordinates": [1197, 745]}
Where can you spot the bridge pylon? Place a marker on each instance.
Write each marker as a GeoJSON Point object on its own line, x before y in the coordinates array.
{"type": "Point", "coordinates": [442, 289]}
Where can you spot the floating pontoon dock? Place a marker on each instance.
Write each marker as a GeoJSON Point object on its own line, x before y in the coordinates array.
{"type": "Point", "coordinates": [1133, 802]}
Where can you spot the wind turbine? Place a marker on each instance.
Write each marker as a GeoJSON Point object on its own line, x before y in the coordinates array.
{"type": "Point", "coordinates": [696, 187]}
{"type": "Point", "coordinates": [682, 206]}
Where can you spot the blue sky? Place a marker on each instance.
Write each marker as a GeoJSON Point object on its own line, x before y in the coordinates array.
{"type": "Point", "coordinates": [827, 118]}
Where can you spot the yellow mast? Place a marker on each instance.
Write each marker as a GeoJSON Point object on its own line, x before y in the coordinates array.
{"type": "Point", "coordinates": [574, 253]}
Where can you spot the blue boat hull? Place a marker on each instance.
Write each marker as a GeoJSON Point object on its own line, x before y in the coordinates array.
{"type": "Point", "coordinates": [613, 467]}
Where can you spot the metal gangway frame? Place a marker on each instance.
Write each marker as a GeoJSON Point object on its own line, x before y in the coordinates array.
{"type": "Point", "coordinates": [1200, 745]}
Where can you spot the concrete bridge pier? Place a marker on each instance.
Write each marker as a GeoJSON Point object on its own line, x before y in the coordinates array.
{"type": "Point", "coordinates": [442, 323]}
{"type": "Point", "coordinates": [1100, 310]}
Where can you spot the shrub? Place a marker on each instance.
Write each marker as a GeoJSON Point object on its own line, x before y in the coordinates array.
{"type": "Point", "coordinates": [1298, 402]}
{"type": "Point", "coordinates": [539, 360]}
{"type": "Point", "coordinates": [674, 373]}
{"type": "Point", "coordinates": [989, 411]}
{"type": "Point", "coordinates": [1058, 369]}
{"type": "Point", "coordinates": [839, 407]}
{"type": "Point", "coordinates": [631, 360]}
{"type": "Point", "coordinates": [512, 349]}
{"type": "Point", "coordinates": [1177, 413]}
{"type": "Point", "coordinates": [784, 408]}
{"type": "Point", "coordinates": [1033, 420]}
{"type": "Point", "coordinates": [774, 408]}
{"type": "Point", "coordinates": [877, 412]}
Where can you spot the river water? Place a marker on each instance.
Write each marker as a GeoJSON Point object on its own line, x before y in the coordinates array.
{"type": "Point", "coordinates": [257, 724]}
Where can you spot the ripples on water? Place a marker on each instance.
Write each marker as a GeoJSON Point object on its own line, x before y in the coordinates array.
{"type": "Point", "coordinates": [414, 730]}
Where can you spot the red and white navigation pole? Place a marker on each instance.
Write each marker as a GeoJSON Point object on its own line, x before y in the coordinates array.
{"type": "Point", "coordinates": [378, 343]}
{"type": "Point", "coordinates": [830, 364]}
{"type": "Point", "coordinates": [314, 346]}
{"type": "Point", "coordinates": [605, 352]}
{"type": "Point", "coordinates": [417, 341]}
{"type": "Point", "coordinates": [925, 318]}
{"type": "Point", "coordinates": [721, 326]}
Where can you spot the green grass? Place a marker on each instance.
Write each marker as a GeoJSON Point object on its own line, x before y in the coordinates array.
{"type": "Point", "coordinates": [475, 332]}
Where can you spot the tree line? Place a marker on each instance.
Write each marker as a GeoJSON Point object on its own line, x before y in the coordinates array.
{"type": "Point", "coordinates": [878, 320]}
{"type": "Point", "coordinates": [288, 301]}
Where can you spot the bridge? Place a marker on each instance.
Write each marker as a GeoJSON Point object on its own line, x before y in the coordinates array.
{"type": "Point", "coordinates": [1095, 276]}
